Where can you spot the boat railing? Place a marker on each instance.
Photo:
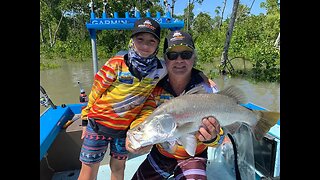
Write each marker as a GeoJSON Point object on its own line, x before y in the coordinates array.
{"type": "Point", "coordinates": [123, 23]}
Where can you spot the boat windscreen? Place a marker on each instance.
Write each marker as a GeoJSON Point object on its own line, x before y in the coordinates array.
{"type": "Point", "coordinates": [221, 163]}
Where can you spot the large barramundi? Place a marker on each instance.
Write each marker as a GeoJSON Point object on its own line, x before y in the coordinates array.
{"type": "Point", "coordinates": [178, 119]}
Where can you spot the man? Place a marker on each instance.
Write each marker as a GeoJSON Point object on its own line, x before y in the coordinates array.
{"type": "Point", "coordinates": [180, 57]}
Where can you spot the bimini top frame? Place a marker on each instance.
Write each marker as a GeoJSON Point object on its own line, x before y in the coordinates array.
{"type": "Point", "coordinates": [117, 23]}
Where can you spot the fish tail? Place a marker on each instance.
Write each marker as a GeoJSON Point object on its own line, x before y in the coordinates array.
{"type": "Point", "coordinates": [266, 120]}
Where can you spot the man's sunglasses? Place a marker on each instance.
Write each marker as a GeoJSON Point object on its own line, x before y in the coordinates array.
{"type": "Point", "coordinates": [184, 55]}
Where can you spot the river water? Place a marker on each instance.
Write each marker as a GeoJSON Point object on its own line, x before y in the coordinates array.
{"type": "Point", "coordinates": [61, 84]}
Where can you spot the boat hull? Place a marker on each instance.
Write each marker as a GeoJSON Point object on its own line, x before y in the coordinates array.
{"type": "Point", "coordinates": [60, 147]}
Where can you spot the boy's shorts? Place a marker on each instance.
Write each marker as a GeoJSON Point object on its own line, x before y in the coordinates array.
{"type": "Point", "coordinates": [95, 146]}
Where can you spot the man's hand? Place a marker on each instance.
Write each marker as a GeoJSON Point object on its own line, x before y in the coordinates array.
{"type": "Point", "coordinates": [209, 129]}
{"type": "Point", "coordinates": [141, 150]}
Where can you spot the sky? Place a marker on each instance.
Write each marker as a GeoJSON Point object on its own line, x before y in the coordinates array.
{"type": "Point", "coordinates": [209, 7]}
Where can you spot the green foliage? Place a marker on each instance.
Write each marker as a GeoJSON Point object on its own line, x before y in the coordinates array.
{"type": "Point", "coordinates": [272, 6]}
{"type": "Point", "coordinates": [252, 39]}
{"type": "Point", "coordinates": [48, 65]}
{"type": "Point", "coordinates": [266, 62]}
{"type": "Point", "coordinates": [209, 45]}
{"type": "Point", "coordinates": [202, 24]}
{"type": "Point", "coordinates": [73, 50]}
{"type": "Point", "coordinates": [72, 41]}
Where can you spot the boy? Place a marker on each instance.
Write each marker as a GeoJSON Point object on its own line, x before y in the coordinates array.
{"type": "Point", "coordinates": [119, 91]}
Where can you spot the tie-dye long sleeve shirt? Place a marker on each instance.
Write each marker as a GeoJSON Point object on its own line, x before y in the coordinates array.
{"type": "Point", "coordinates": [117, 96]}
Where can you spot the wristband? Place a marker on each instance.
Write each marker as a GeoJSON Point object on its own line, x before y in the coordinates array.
{"type": "Point", "coordinates": [215, 141]}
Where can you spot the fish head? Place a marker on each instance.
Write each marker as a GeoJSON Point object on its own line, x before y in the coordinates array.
{"type": "Point", "coordinates": [154, 130]}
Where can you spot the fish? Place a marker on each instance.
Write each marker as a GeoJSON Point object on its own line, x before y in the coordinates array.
{"type": "Point", "coordinates": [177, 120]}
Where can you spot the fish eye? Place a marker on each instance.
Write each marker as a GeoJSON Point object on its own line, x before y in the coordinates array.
{"type": "Point", "coordinates": [139, 128]}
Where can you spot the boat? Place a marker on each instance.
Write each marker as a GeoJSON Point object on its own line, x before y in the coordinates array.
{"type": "Point", "coordinates": [60, 126]}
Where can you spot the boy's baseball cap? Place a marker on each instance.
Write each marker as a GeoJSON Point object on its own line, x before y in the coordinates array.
{"type": "Point", "coordinates": [147, 25]}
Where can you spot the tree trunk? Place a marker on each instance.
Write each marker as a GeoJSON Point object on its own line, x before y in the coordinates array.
{"type": "Point", "coordinates": [188, 16]}
{"type": "Point", "coordinates": [41, 34]}
{"type": "Point", "coordinates": [251, 6]}
{"type": "Point", "coordinates": [224, 56]}
{"type": "Point", "coordinates": [56, 31]}
{"type": "Point", "coordinates": [224, 7]}
{"type": "Point", "coordinates": [172, 7]}
{"type": "Point", "coordinates": [277, 43]}
{"type": "Point", "coordinates": [50, 35]}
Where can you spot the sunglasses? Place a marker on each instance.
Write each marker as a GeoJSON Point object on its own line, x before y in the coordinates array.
{"type": "Point", "coordinates": [184, 55]}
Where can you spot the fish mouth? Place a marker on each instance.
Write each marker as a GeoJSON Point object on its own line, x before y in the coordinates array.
{"type": "Point", "coordinates": [134, 143]}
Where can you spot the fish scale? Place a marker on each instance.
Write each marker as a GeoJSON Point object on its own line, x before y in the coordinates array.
{"type": "Point", "coordinates": [203, 105]}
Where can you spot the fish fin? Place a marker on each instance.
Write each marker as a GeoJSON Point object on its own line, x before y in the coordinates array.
{"type": "Point", "coordinates": [266, 119]}
{"type": "Point", "coordinates": [232, 128]}
{"type": "Point", "coordinates": [169, 146]}
{"type": "Point", "coordinates": [200, 89]}
{"type": "Point", "coordinates": [189, 142]}
{"type": "Point", "coordinates": [235, 93]}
